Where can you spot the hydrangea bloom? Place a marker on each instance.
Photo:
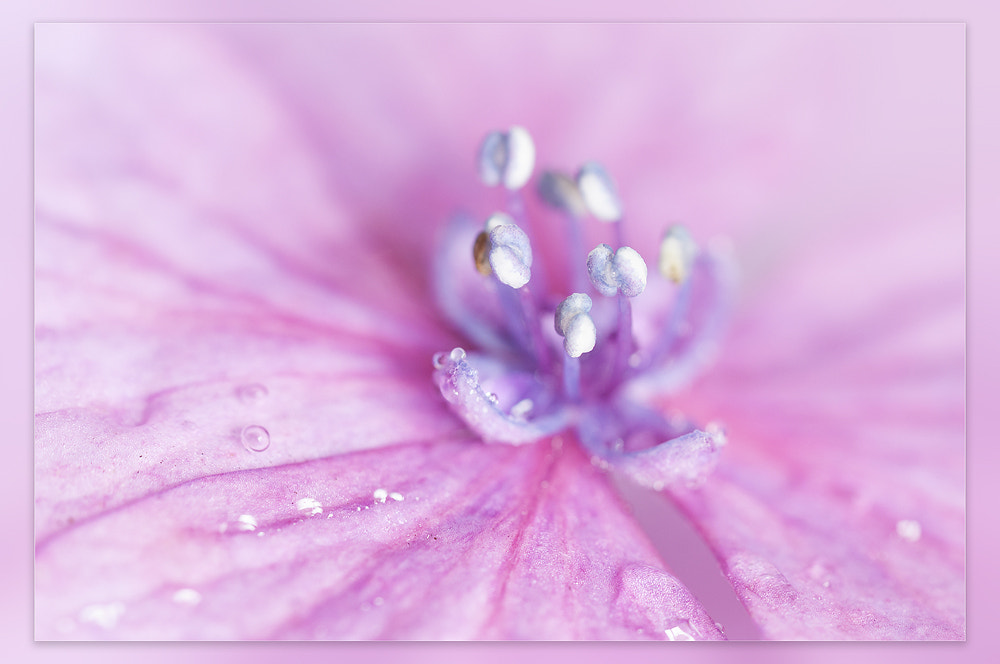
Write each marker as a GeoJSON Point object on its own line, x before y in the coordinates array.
{"type": "Point", "coordinates": [240, 288]}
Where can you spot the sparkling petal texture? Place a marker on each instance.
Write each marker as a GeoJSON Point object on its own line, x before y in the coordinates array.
{"type": "Point", "coordinates": [496, 539]}
{"type": "Point", "coordinates": [172, 317]}
{"type": "Point", "coordinates": [236, 227]}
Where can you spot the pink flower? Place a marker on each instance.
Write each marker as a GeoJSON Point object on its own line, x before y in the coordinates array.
{"type": "Point", "coordinates": [240, 289]}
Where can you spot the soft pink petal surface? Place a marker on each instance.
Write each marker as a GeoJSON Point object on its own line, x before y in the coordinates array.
{"type": "Point", "coordinates": [195, 279]}
{"type": "Point", "coordinates": [522, 543]}
{"type": "Point", "coordinates": [843, 498]}
{"type": "Point", "coordinates": [170, 282]}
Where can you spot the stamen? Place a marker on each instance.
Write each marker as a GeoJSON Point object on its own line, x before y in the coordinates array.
{"type": "Point", "coordinates": [560, 192]}
{"type": "Point", "coordinates": [599, 192]}
{"type": "Point", "coordinates": [509, 252]}
{"type": "Point", "coordinates": [513, 395]}
{"type": "Point", "coordinates": [504, 251]}
{"type": "Point", "coordinates": [507, 158]}
{"type": "Point", "coordinates": [622, 270]}
{"type": "Point", "coordinates": [481, 254]}
{"type": "Point", "coordinates": [677, 253]}
{"type": "Point", "coordinates": [573, 322]}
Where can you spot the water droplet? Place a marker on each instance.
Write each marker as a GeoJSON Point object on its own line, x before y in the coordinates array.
{"type": "Point", "coordinates": [102, 615]}
{"type": "Point", "coordinates": [457, 355]}
{"type": "Point", "coordinates": [438, 360]}
{"type": "Point", "coordinates": [678, 634]}
{"type": "Point", "coordinates": [909, 530]}
{"type": "Point", "coordinates": [817, 570]}
{"type": "Point", "coordinates": [395, 495]}
{"type": "Point", "coordinates": [309, 505]}
{"type": "Point", "coordinates": [246, 522]}
{"type": "Point", "coordinates": [255, 438]}
{"type": "Point", "coordinates": [251, 393]}
{"type": "Point", "coordinates": [187, 596]}
{"type": "Point", "coordinates": [520, 410]}
{"type": "Point", "coordinates": [380, 495]}
{"type": "Point", "coordinates": [717, 432]}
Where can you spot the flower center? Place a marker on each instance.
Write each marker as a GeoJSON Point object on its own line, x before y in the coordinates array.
{"type": "Point", "coordinates": [548, 362]}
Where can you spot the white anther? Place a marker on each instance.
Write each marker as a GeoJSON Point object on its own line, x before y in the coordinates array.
{"type": "Point", "coordinates": [631, 271]}
{"type": "Point", "coordinates": [573, 322]}
{"type": "Point", "coordinates": [622, 270]}
{"type": "Point", "coordinates": [507, 158]}
{"type": "Point", "coordinates": [510, 255]}
{"type": "Point", "coordinates": [560, 191]}
{"type": "Point", "coordinates": [576, 303]}
{"type": "Point", "coordinates": [677, 253]}
{"type": "Point", "coordinates": [599, 192]}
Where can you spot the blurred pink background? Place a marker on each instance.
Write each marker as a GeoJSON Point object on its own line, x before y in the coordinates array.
{"type": "Point", "coordinates": [983, 367]}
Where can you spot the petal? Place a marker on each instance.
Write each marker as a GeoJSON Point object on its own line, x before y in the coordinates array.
{"type": "Point", "coordinates": [838, 510]}
{"type": "Point", "coordinates": [647, 448]}
{"type": "Point", "coordinates": [445, 540]}
{"type": "Point", "coordinates": [173, 311]}
{"type": "Point", "coordinates": [178, 158]}
{"type": "Point", "coordinates": [489, 404]}
{"type": "Point", "coordinates": [683, 331]}
{"type": "Point", "coordinates": [468, 300]}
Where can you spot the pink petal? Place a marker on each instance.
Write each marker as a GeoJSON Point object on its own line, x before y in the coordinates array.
{"type": "Point", "coordinates": [180, 309]}
{"type": "Point", "coordinates": [838, 510]}
{"type": "Point", "coordinates": [178, 306]}
{"type": "Point", "coordinates": [517, 540]}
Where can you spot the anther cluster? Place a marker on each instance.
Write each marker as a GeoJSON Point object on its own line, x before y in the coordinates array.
{"type": "Point", "coordinates": [553, 352]}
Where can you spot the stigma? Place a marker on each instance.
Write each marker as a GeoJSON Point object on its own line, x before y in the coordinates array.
{"type": "Point", "coordinates": [540, 361]}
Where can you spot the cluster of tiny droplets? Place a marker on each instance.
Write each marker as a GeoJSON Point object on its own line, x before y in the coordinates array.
{"type": "Point", "coordinates": [502, 250]}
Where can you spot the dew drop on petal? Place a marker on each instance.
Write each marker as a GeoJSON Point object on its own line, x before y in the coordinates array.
{"type": "Point", "coordinates": [251, 393]}
{"type": "Point", "coordinates": [187, 596]}
{"type": "Point", "coordinates": [520, 410]}
{"type": "Point", "coordinates": [255, 438]}
{"type": "Point", "coordinates": [102, 615]}
{"type": "Point", "coordinates": [380, 495]}
{"type": "Point", "coordinates": [395, 495]}
{"type": "Point", "coordinates": [909, 530]}
{"type": "Point", "coordinates": [309, 506]}
{"type": "Point", "coordinates": [678, 634]}
{"type": "Point", "coordinates": [246, 522]}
